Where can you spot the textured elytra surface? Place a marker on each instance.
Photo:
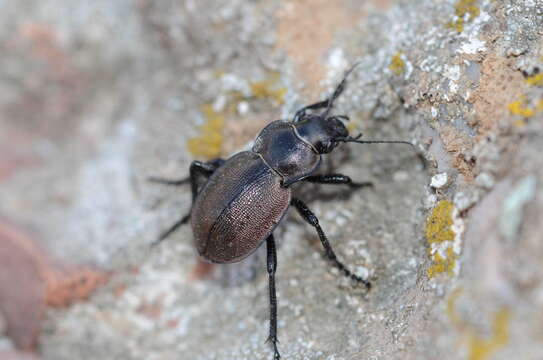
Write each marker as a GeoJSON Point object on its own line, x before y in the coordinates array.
{"type": "Point", "coordinates": [238, 208]}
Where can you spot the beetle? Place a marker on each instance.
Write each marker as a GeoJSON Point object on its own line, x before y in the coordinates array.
{"type": "Point", "coordinates": [244, 197]}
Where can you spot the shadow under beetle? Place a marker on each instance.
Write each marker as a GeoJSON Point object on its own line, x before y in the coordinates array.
{"type": "Point", "coordinates": [247, 195]}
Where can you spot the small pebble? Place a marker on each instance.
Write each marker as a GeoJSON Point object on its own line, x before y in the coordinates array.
{"type": "Point", "coordinates": [243, 107]}
{"type": "Point", "coordinates": [439, 180]}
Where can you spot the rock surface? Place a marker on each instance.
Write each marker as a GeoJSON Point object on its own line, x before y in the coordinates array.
{"type": "Point", "coordinates": [99, 96]}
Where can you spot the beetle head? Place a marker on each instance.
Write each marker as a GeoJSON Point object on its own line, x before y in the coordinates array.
{"type": "Point", "coordinates": [325, 133]}
{"type": "Point", "coordinates": [322, 132]}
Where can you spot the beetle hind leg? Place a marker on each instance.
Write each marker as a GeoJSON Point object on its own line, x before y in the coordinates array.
{"type": "Point", "coordinates": [185, 219]}
{"type": "Point", "coordinates": [309, 217]}
{"type": "Point", "coordinates": [197, 170]}
{"type": "Point", "coordinates": [272, 267]}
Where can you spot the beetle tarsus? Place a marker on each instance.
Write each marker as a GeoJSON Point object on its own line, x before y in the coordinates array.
{"type": "Point", "coordinates": [276, 355]}
{"type": "Point", "coordinates": [309, 217]}
{"type": "Point", "coordinates": [356, 185]}
{"type": "Point", "coordinates": [169, 181]}
{"type": "Point", "coordinates": [272, 267]}
{"type": "Point", "coordinates": [185, 219]}
{"type": "Point", "coordinates": [336, 179]}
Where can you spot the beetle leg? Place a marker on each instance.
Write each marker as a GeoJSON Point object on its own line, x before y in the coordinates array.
{"type": "Point", "coordinates": [342, 117]}
{"type": "Point", "coordinates": [272, 266]}
{"type": "Point", "coordinates": [171, 229]}
{"type": "Point", "coordinates": [328, 103]}
{"type": "Point", "coordinates": [301, 113]}
{"type": "Point", "coordinates": [205, 168]}
{"type": "Point", "coordinates": [313, 221]}
{"type": "Point", "coordinates": [197, 169]}
{"type": "Point", "coordinates": [336, 179]}
{"type": "Point", "coordinates": [169, 181]}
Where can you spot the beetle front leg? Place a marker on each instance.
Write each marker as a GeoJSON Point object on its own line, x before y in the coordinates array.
{"type": "Point", "coordinates": [301, 113]}
{"type": "Point", "coordinates": [313, 221]}
{"type": "Point", "coordinates": [336, 179]}
{"type": "Point", "coordinates": [272, 267]}
{"type": "Point", "coordinates": [197, 169]}
{"type": "Point", "coordinates": [328, 103]}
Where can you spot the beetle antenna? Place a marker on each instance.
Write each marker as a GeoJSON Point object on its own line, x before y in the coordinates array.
{"type": "Point", "coordinates": [339, 89]}
{"type": "Point", "coordinates": [355, 140]}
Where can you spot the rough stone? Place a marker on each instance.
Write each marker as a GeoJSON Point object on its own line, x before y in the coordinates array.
{"type": "Point", "coordinates": [99, 96]}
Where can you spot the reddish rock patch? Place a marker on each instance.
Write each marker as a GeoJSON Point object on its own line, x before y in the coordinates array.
{"type": "Point", "coordinates": [30, 281]}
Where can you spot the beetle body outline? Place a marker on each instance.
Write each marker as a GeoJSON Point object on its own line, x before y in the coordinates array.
{"type": "Point", "coordinates": [245, 197]}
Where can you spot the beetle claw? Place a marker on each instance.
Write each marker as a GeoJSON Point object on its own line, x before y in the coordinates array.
{"type": "Point", "coordinates": [273, 342]}
{"type": "Point", "coordinates": [361, 185]}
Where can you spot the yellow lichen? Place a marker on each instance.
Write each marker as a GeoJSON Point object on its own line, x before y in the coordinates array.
{"type": "Point", "coordinates": [438, 225]}
{"type": "Point", "coordinates": [438, 231]}
{"type": "Point", "coordinates": [397, 65]}
{"type": "Point", "coordinates": [535, 80]}
{"type": "Point", "coordinates": [208, 144]}
{"type": "Point", "coordinates": [521, 108]}
{"type": "Point", "coordinates": [465, 10]}
{"type": "Point", "coordinates": [442, 264]}
{"type": "Point", "coordinates": [266, 89]}
{"type": "Point", "coordinates": [480, 348]}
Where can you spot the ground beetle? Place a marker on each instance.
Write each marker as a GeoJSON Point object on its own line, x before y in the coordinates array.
{"type": "Point", "coordinates": [246, 196]}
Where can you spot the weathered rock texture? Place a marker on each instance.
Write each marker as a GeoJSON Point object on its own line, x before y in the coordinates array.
{"type": "Point", "coordinates": [97, 96]}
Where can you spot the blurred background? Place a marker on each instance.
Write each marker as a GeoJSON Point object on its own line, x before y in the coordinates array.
{"type": "Point", "coordinates": [95, 97]}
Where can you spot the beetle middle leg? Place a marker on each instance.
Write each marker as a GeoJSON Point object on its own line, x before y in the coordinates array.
{"type": "Point", "coordinates": [336, 179]}
{"type": "Point", "coordinates": [308, 216]}
{"type": "Point", "coordinates": [272, 267]}
{"type": "Point", "coordinates": [197, 170]}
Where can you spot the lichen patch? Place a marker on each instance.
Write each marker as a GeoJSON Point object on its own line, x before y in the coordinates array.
{"type": "Point", "coordinates": [464, 11]}
{"type": "Point", "coordinates": [481, 347]}
{"type": "Point", "coordinates": [443, 233]}
{"type": "Point", "coordinates": [397, 64]}
{"type": "Point", "coordinates": [228, 122]}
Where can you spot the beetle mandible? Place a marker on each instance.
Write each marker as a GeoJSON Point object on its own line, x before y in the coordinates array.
{"type": "Point", "coordinates": [247, 195]}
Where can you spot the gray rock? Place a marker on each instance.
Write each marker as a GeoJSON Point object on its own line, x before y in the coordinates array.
{"type": "Point", "coordinates": [98, 96]}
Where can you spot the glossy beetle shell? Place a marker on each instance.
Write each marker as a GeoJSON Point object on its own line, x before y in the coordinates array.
{"type": "Point", "coordinates": [239, 206]}
{"type": "Point", "coordinates": [285, 152]}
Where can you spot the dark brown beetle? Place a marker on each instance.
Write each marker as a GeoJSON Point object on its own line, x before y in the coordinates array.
{"type": "Point", "coordinates": [246, 196]}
